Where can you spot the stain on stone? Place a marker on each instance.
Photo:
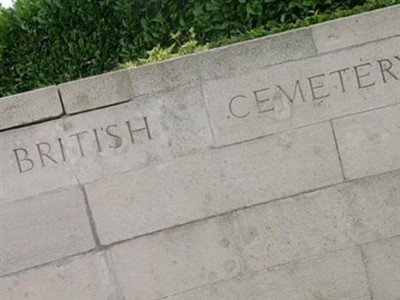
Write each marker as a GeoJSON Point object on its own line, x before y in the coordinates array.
{"type": "Point", "coordinates": [247, 234]}
{"type": "Point", "coordinates": [224, 243]}
{"type": "Point", "coordinates": [229, 266]}
{"type": "Point", "coordinates": [282, 108]}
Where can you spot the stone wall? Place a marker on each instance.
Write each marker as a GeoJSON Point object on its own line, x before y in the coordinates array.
{"type": "Point", "coordinates": [265, 170]}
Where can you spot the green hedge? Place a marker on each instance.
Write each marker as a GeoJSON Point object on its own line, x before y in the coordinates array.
{"type": "Point", "coordinates": [44, 42]}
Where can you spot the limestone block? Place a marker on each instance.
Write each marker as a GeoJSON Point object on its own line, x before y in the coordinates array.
{"type": "Point", "coordinates": [79, 278]}
{"type": "Point", "coordinates": [199, 186]}
{"type": "Point", "coordinates": [43, 228]}
{"type": "Point", "coordinates": [175, 260]}
{"type": "Point", "coordinates": [94, 92]}
{"type": "Point", "coordinates": [369, 143]}
{"type": "Point", "coordinates": [357, 29]}
{"type": "Point", "coordinates": [383, 265]}
{"type": "Point", "coordinates": [97, 144]}
{"type": "Point", "coordinates": [322, 221]}
{"type": "Point", "coordinates": [304, 92]}
{"type": "Point", "coordinates": [228, 61]}
{"type": "Point", "coordinates": [29, 107]}
{"type": "Point", "coordinates": [336, 276]}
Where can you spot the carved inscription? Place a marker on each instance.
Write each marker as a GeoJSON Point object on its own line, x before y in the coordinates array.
{"type": "Point", "coordinates": [80, 144]}
{"type": "Point", "coordinates": [316, 87]}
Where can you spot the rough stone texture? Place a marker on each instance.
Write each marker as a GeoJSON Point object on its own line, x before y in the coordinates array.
{"type": "Point", "coordinates": [227, 98]}
{"type": "Point", "coordinates": [43, 228]}
{"type": "Point", "coordinates": [29, 107]}
{"type": "Point", "coordinates": [314, 223]}
{"type": "Point", "coordinates": [177, 123]}
{"type": "Point", "coordinates": [94, 92]}
{"type": "Point", "coordinates": [383, 265]}
{"type": "Point", "coordinates": [337, 276]}
{"type": "Point", "coordinates": [351, 31]}
{"type": "Point", "coordinates": [81, 278]}
{"type": "Point", "coordinates": [226, 61]}
{"type": "Point", "coordinates": [369, 143]}
{"type": "Point", "coordinates": [175, 260]}
{"type": "Point", "coordinates": [195, 187]}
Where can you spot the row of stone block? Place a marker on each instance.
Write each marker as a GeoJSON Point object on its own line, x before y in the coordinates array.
{"type": "Point", "coordinates": [156, 131]}
{"type": "Point", "coordinates": [226, 62]}
{"type": "Point", "coordinates": [188, 188]}
{"type": "Point", "coordinates": [341, 242]}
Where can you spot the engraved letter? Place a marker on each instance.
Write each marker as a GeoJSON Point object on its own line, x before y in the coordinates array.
{"type": "Point", "coordinates": [340, 74]}
{"type": "Point", "coordinates": [118, 140]}
{"type": "Point", "coordinates": [96, 135]}
{"type": "Point", "coordinates": [386, 69]}
{"type": "Point", "coordinates": [25, 158]}
{"type": "Point", "coordinates": [231, 110]}
{"type": "Point", "coordinates": [140, 129]}
{"type": "Point", "coordinates": [61, 148]}
{"type": "Point", "coordinates": [359, 76]}
{"type": "Point", "coordinates": [259, 101]}
{"type": "Point", "coordinates": [78, 138]}
{"type": "Point", "coordinates": [313, 87]}
{"type": "Point", "coordinates": [297, 86]}
{"type": "Point", "coordinates": [45, 154]}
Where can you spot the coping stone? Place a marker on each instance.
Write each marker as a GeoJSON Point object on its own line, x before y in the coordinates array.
{"type": "Point", "coordinates": [227, 61]}
{"type": "Point", "coordinates": [95, 92]}
{"type": "Point", "coordinates": [29, 107]}
{"type": "Point", "coordinates": [357, 29]}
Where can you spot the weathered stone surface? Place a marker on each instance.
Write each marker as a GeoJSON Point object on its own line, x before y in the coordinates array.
{"type": "Point", "coordinates": [347, 32]}
{"type": "Point", "coordinates": [224, 62]}
{"type": "Point", "coordinates": [93, 92]}
{"type": "Point", "coordinates": [81, 278]}
{"type": "Point", "coordinates": [43, 228]}
{"type": "Point", "coordinates": [304, 92]}
{"type": "Point", "coordinates": [383, 265]}
{"type": "Point", "coordinates": [337, 276]}
{"type": "Point", "coordinates": [29, 107]}
{"type": "Point", "coordinates": [369, 143]}
{"type": "Point", "coordinates": [100, 143]}
{"type": "Point", "coordinates": [195, 187]}
{"type": "Point", "coordinates": [314, 223]}
{"type": "Point", "coordinates": [175, 260]}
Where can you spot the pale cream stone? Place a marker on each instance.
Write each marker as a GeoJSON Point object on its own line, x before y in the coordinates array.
{"type": "Point", "coordinates": [98, 144]}
{"type": "Point", "coordinates": [200, 186]}
{"type": "Point", "coordinates": [304, 92]}
{"type": "Point", "coordinates": [29, 107]}
{"type": "Point", "coordinates": [80, 278]}
{"type": "Point", "coordinates": [369, 143]}
{"type": "Point", "coordinates": [43, 228]}
{"type": "Point", "coordinates": [357, 29]}
{"type": "Point", "coordinates": [94, 92]}
{"type": "Point", "coordinates": [315, 223]}
{"type": "Point", "coordinates": [175, 260]}
{"type": "Point", "coordinates": [383, 265]}
{"type": "Point", "coordinates": [336, 276]}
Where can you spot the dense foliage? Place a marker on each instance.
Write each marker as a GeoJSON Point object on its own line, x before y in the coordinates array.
{"type": "Point", "coordinates": [44, 42]}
